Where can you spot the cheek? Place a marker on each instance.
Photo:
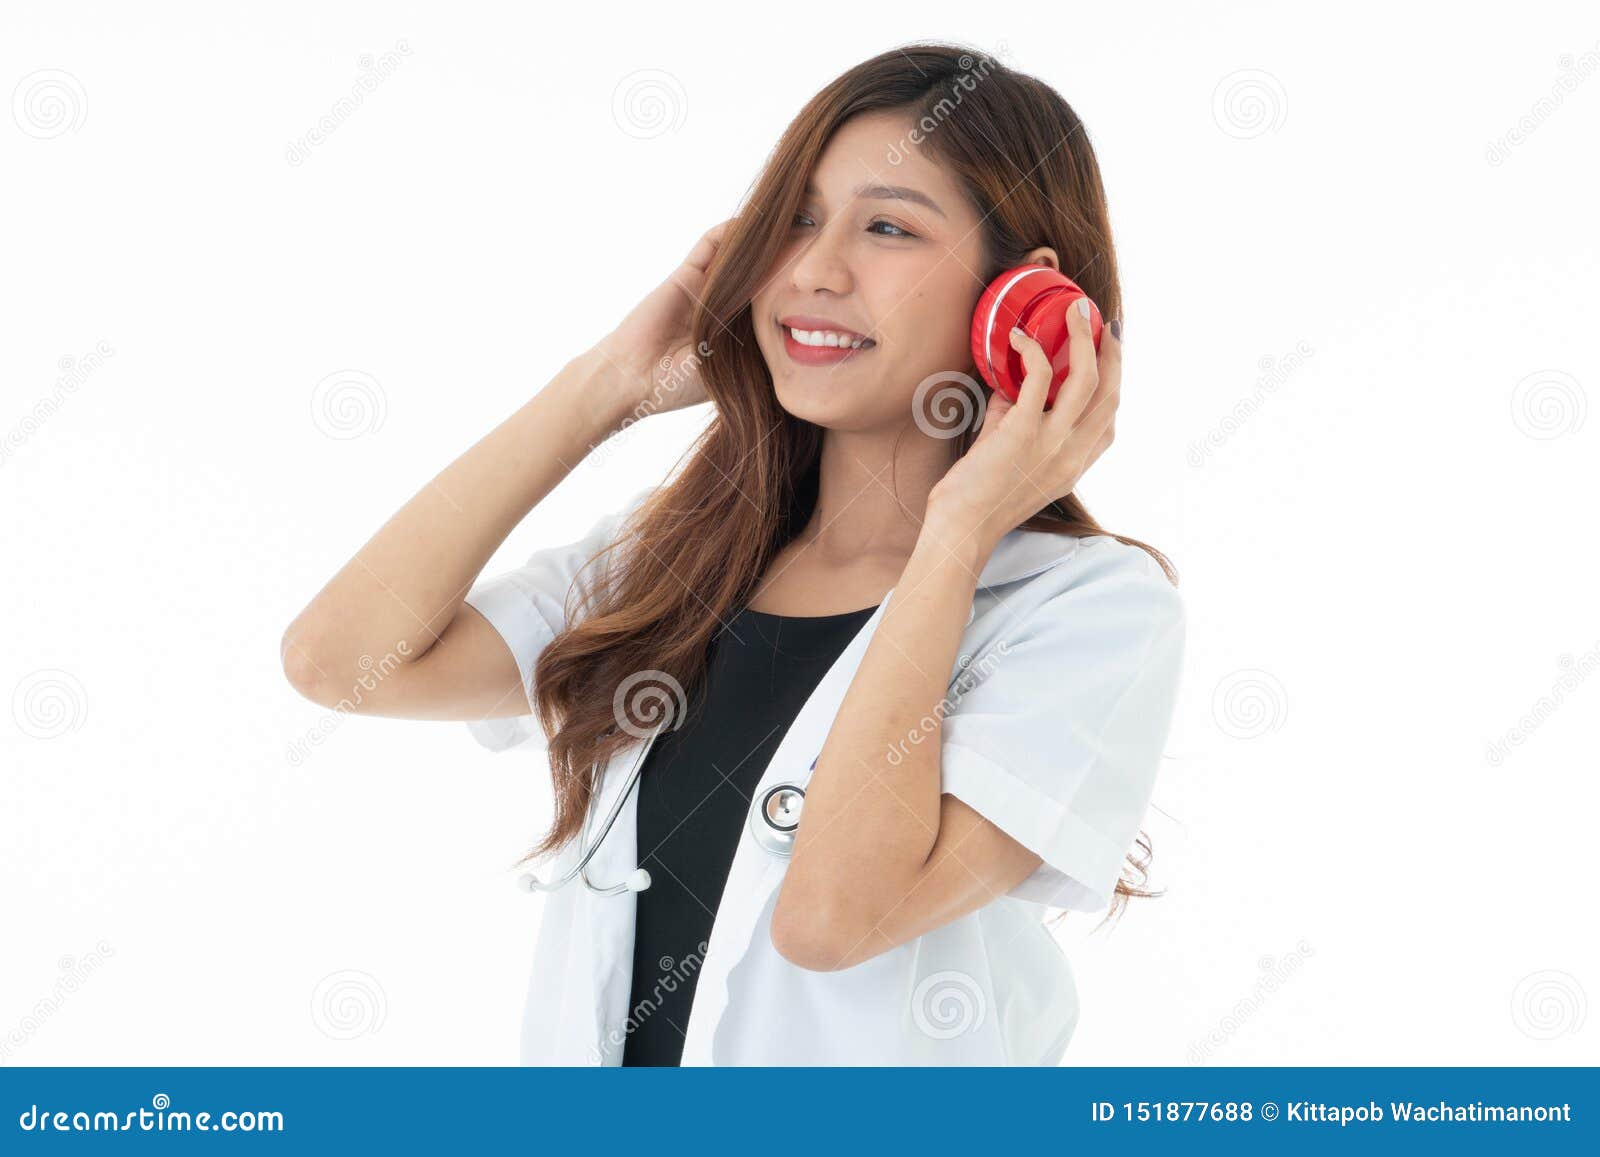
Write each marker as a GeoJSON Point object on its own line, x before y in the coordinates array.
{"type": "Point", "coordinates": [932, 325]}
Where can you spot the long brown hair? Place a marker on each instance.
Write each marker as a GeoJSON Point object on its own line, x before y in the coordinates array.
{"type": "Point", "coordinates": [694, 551]}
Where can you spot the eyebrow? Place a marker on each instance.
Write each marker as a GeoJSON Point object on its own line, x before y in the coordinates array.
{"type": "Point", "coordinates": [889, 193]}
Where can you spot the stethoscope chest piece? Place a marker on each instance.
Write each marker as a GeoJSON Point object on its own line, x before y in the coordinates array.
{"type": "Point", "coordinates": [776, 817]}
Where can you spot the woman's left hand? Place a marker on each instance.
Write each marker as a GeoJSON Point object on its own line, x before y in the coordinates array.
{"type": "Point", "coordinates": [1025, 456]}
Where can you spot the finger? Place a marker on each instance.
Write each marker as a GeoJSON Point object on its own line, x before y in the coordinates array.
{"type": "Point", "coordinates": [1101, 445]}
{"type": "Point", "coordinates": [994, 409]}
{"type": "Point", "coordinates": [1071, 460]}
{"type": "Point", "coordinates": [1108, 392]}
{"type": "Point", "coordinates": [1084, 375]}
{"type": "Point", "coordinates": [1037, 373]}
{"type": "Point", "coordinates": [706, 248]}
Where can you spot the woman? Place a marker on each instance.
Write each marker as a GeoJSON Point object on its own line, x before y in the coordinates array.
{"type": "Point", "coordinates": [918, 625]}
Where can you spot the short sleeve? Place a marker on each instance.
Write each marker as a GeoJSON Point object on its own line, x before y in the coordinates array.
{"type": "Point", "coordinates": [1060, 744]}
{"type": "Point", "coordinates": [528, 607]}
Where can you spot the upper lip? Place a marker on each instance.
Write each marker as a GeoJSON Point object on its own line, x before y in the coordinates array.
{"type": "Point", "coordinates": [811, 324]}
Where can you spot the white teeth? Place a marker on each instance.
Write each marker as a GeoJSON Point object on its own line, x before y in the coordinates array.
{"type": "Point", "coordinates": [828, 338]}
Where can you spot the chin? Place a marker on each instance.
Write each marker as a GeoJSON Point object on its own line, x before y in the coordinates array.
{"type": "Point", "coordinates": [836, 409]}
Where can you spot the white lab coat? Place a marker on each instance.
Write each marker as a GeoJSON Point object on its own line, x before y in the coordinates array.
{"type": "Point", "coordinates": [1062, 698]}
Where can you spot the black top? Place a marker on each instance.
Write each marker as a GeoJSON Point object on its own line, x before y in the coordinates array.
{"type": "Point", "coordinates": [695, 793]}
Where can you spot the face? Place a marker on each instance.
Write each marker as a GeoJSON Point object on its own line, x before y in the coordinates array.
{"type": "Point", "coordinates": [882, 257]}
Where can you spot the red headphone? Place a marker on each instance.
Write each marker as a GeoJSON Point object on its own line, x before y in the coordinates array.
{"type": "Point", "coordinates": [1036, 298]}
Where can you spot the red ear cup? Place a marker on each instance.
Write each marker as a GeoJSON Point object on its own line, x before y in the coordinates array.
{"type": "Point", "coordinates": [1036, 298]}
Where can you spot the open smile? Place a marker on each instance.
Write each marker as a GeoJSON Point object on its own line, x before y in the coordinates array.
{"type": "Point", "coordinates": [814, 342]}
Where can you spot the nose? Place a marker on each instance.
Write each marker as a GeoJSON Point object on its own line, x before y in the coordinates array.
{"type": "Point", "coordinates": [821, 264]}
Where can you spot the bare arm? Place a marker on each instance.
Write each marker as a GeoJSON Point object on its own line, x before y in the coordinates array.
{"type": "Point", "coordinates": [392, 623]}
{"type": "Point", "coordinates": [884, 855]}
{"type": "Point", "coordinates": [393, 616]}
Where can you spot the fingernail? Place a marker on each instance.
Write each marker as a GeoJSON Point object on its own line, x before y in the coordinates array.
{"type": "Point", "coordinates": [1018, 331]}
{"type": "Point", "coordinates": [1083, 308]}
{"type": "Point", "coordinates": [1116, 328]}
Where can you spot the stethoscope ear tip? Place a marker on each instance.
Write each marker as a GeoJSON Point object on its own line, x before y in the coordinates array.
{"type": "Point", "coordinates": [638, 880]}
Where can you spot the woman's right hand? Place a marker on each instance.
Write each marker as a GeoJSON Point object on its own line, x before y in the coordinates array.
{"type": "Point", "coordinates": [651, 349]}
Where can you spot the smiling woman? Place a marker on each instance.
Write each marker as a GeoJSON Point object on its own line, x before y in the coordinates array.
{"type": "Point", "coordinates": [916, 630]}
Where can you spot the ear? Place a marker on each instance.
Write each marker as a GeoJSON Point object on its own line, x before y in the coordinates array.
{"type": "Point", "coordinates": [1043, 255]}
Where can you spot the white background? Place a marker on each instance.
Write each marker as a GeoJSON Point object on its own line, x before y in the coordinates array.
{"type": "Point", "coordinates": [1387, 546]}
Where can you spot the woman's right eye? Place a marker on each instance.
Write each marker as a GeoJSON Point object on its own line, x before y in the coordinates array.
{"type": "Point", "coordinates": [801, 219]}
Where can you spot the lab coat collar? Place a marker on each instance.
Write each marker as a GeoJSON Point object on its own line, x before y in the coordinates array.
{"type": "Point", "coordinates": [1023, 553]}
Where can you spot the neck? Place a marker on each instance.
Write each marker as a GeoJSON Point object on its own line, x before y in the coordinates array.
{"type": "Point", "coordinates": [873, 491]}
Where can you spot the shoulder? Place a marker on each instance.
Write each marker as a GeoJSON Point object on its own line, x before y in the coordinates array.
{"type": "Point", "coordinates": [1096, 564]}
{"type": "Point", "coordinates": [1100, 590]}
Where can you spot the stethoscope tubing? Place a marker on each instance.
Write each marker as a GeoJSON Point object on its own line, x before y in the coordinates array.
{"type": "Point", "coordinates": [773, 837]}
{"type": "Point", "coordinates": [639, 876]}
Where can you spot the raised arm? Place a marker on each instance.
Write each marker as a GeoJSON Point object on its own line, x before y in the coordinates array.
{"type": "Point", "coordinates": [393, 619]}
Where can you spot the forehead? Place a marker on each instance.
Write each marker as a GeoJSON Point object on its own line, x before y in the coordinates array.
{"type": "Point", "coordinates": [878, 150]}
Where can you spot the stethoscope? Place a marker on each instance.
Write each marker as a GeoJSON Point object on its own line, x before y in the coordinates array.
{"type": "Point", "coordinates": [774, 819]}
